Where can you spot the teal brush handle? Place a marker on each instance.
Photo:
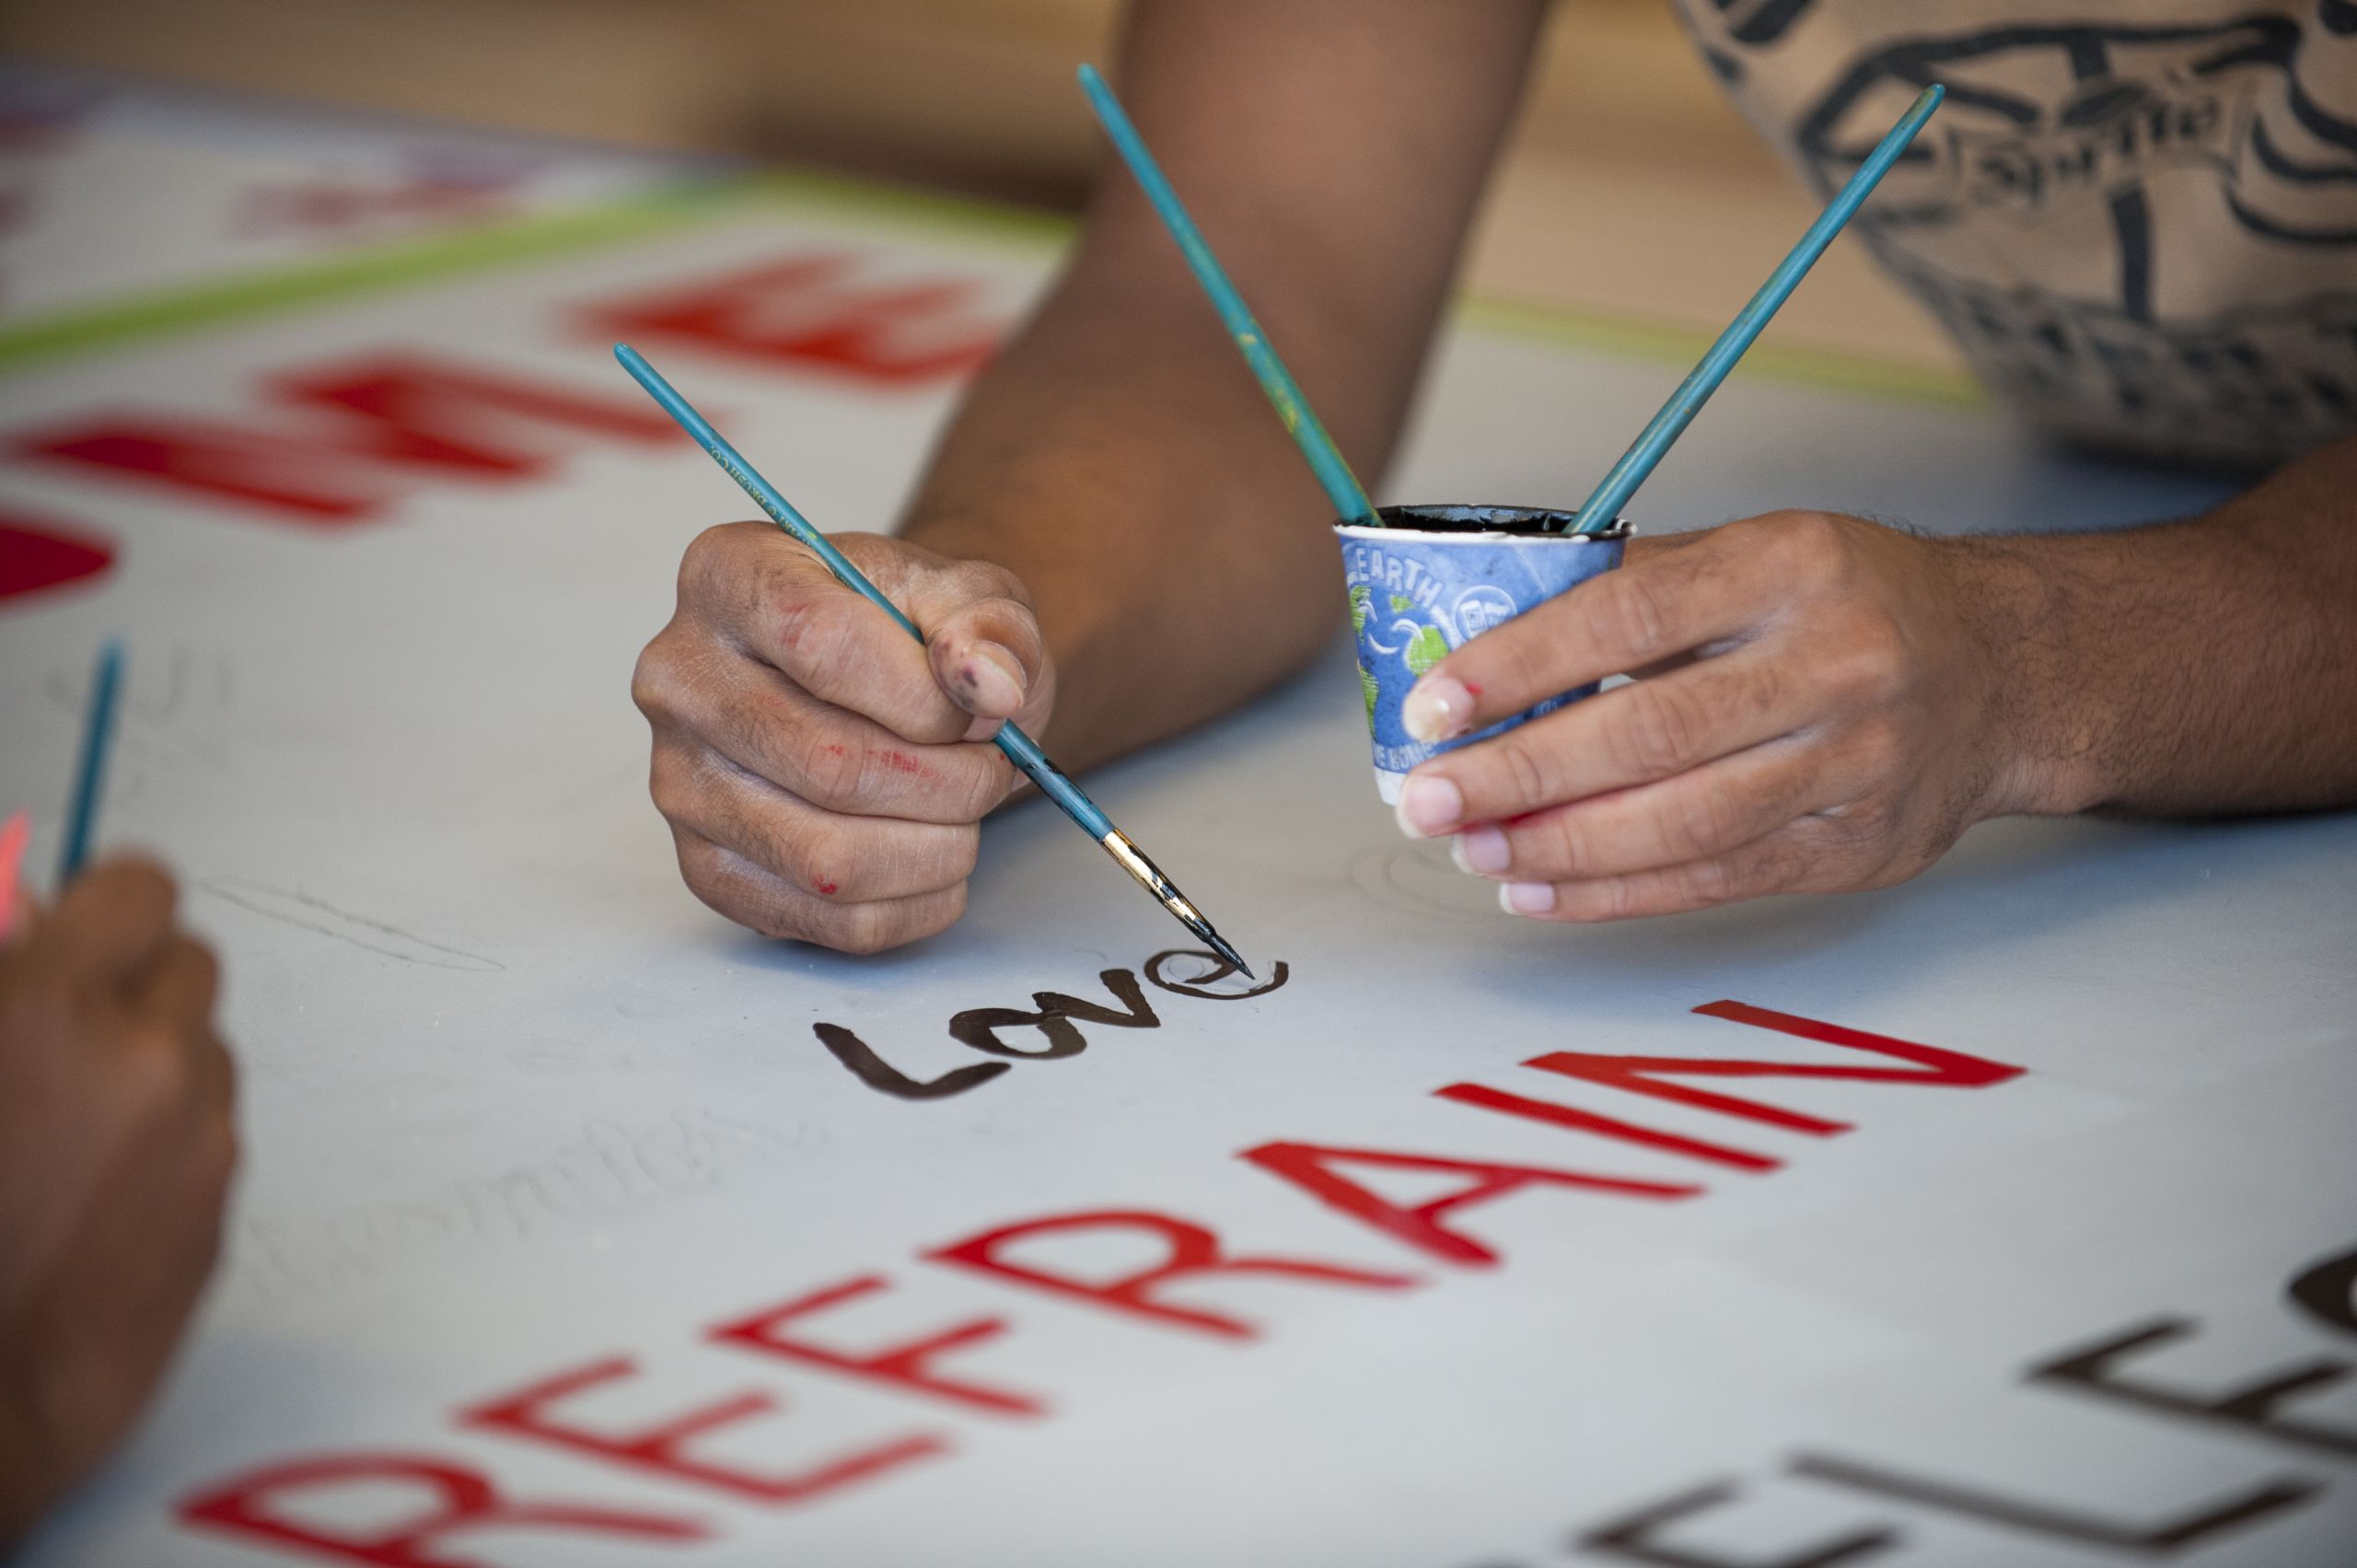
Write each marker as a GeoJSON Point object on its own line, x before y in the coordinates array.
{"type": "Point", "coordinates": [1342, 489]}
{"type": "Point", "coordinates": [1020, 749]}
{"type": "Point", "coordinates": [1612, 493]}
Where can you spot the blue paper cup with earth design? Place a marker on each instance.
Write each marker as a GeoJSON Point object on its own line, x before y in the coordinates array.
{"type": "Point", "coordinates": [1435, 577]}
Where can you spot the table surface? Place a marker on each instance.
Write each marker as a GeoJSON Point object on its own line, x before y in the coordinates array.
{"type": "Point", "coordinates": [539, 1150]}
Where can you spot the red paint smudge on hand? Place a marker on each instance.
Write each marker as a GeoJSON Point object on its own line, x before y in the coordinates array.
{"type": "Point", "coordinates": [828, 888]}
{"type": "Point", "coordinates": [901, 762]}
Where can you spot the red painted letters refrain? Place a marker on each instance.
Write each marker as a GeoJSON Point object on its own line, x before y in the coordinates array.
{"type": "Point", "coordinates": [1311, 1168]}
{"type": "Point", "coordinates": [906, 1366]}
{"type": "Point", "coordinates": [460, 1499]}
{"type": "Point", "coordinates": [1640, 1074]}
{"type": "Point", "coordinates": [1578, 1121]}
{"type": "Point", "coordinates": [662, 1449]}
{"type": "Point", "coordinates": [1194, 1252]}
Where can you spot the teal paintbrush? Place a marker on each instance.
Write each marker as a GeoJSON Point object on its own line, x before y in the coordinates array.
{"type": "Point", "coordinates": [1613, 491]}
{"type": "Point", "coordinates": [91, 774]}
{"type": "Point", "coordinates": [1343, 489]}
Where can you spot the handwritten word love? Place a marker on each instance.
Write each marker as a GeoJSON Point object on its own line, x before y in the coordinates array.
{"type": "Point", "coordinates": [1053, 1016]}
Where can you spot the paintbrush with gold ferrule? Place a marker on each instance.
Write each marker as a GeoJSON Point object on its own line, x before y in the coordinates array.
{"type": "Point", "coordinates": [1020, 749]}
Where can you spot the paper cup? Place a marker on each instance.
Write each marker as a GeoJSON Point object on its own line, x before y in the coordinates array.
{"type": "Point", "coordinates": [1438, 576]}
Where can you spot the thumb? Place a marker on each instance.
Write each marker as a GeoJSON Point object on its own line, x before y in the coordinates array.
{"type": "Point", "coordinates": [986, 650]}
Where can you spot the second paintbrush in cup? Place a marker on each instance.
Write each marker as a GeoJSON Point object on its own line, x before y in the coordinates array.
{"type": "Point", "coordinates": [1434, 577]}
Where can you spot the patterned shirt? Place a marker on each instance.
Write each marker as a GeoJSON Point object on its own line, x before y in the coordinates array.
{"type": "Point", "coordinates": [2139, 218]}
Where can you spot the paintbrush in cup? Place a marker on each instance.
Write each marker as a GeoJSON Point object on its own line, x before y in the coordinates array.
{"type": "Point", "coordinates": [1343, 491]}
{"type": "Point", "coordinates": [1613, 490]}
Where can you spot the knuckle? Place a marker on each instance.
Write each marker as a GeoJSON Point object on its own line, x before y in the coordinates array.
{"type": "Point", "coordinates": [671, 781]}
{"type": "Point", "coordinates": [821, 861]}
{"type": "Point", "coordinates": [159, 1075]}
{"type": "Point", "coordinates": [207, 966]}
{"type": "Point", "coordinates": [1659, 728]}
{"type": "Point", "coordinates": [983, 787]}
{"type": "Point", "coordinates": [863, 928]}
{"type": "Point", "coordinates": [1872, 819]}
{"type": "Point", "coordinates": [712, 877]}
{"type": "Point", "coordinates": [1763, 690]}
{"type": "Point", "coordinates": [1618, 898]}
{"type": "Point", "coordinates": [808, 628]}
{"type": "Point", "coordinates": [1806, 552]}
{"type": "Point", "coordinates": [965, 856]}
{"type": "Point", "coordinates": [217, 1150]}
{"type": "Point", "coordinates": [1870, 660]}
{"type": "Point", "coordinates": [1567, 849]}
{"type": "Point", "coordinates": [1636, 616]}
{"type": "Point", "coordinates": [976, 580]}
{"type": "Point", "coordinates": [705, 561]}
{"type": "Point", "coordinates": [1810, 543]}
{"type": "Point", "coordinates": [1707, 821]}
{"type": "Point", "coordinates": [828, 770]}
{"type": "Point", "coordinates": [653, 680]}
{"type": "Point", "coordinates": [1528, 774]}
{"type": "Point", "coordinates": [1714, 881]}
{"type": "Point", "coordinates": [1879, 751]}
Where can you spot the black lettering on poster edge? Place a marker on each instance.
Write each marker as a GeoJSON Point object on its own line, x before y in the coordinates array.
{"type": "Point", "coordinates": [2252, 1408]}
{"type": "Point", "coordinates": [1629, 1537]}
{"type": "Point", "coordinates": [2162, 1539]}
{"type": "Point", "coordinates": [2327, 1291]}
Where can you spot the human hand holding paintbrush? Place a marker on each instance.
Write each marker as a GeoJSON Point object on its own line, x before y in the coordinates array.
{"type": "Point", "coordinates": [116, 1142]}
{"type": "Point", "coordinates": [116, 1146]}
{"type": "Point", "coordinates": [816, 764]}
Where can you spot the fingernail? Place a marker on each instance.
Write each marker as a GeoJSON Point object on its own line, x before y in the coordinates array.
{"type": "Point", "coordinates": [1526, 898]}
{"type": "Point", "coordinates": [1437, 708]}
{"type": "Point", "coordinates": [982, 728]}
{"type": "Point", "coordinates": [1429, 805]}
{"type": "Point", "coordinates": [992, 677]}
{"type": "Point", "coordinates": [1481, 850]}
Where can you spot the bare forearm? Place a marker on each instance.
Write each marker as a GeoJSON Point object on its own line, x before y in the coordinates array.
{"type": "Point", "coordinates": [1168, 532]}
{"type": "Point", "coordinates": [1118, 456]}
{"type": "Point", "coordinates": [2198, 667]}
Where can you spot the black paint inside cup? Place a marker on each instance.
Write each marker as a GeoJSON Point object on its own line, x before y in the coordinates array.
{"type": "Point", "coordinates": [1526, 521]}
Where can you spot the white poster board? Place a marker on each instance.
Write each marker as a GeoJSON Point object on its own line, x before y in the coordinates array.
{"type": "Point", "coordinates": [537, 1149]}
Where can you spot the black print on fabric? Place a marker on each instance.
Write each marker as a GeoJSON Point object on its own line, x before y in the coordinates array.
{"type": "Point", "coordinates": [2249, 121]}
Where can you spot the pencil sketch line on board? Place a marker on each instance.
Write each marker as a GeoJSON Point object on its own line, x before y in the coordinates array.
{"type": "Point", "coordinates": [291, 908]}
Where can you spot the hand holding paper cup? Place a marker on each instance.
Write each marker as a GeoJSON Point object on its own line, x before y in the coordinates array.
{"type": "Point", "coordinates": [1435, 577]}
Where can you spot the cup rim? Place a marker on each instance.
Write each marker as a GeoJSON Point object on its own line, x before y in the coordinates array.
{"type": "Point", "coordinates": [1620, 528]}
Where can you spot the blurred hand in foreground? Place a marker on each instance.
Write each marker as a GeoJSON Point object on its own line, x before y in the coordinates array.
{"type": "Point", "coordinates": [116, 1146]}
